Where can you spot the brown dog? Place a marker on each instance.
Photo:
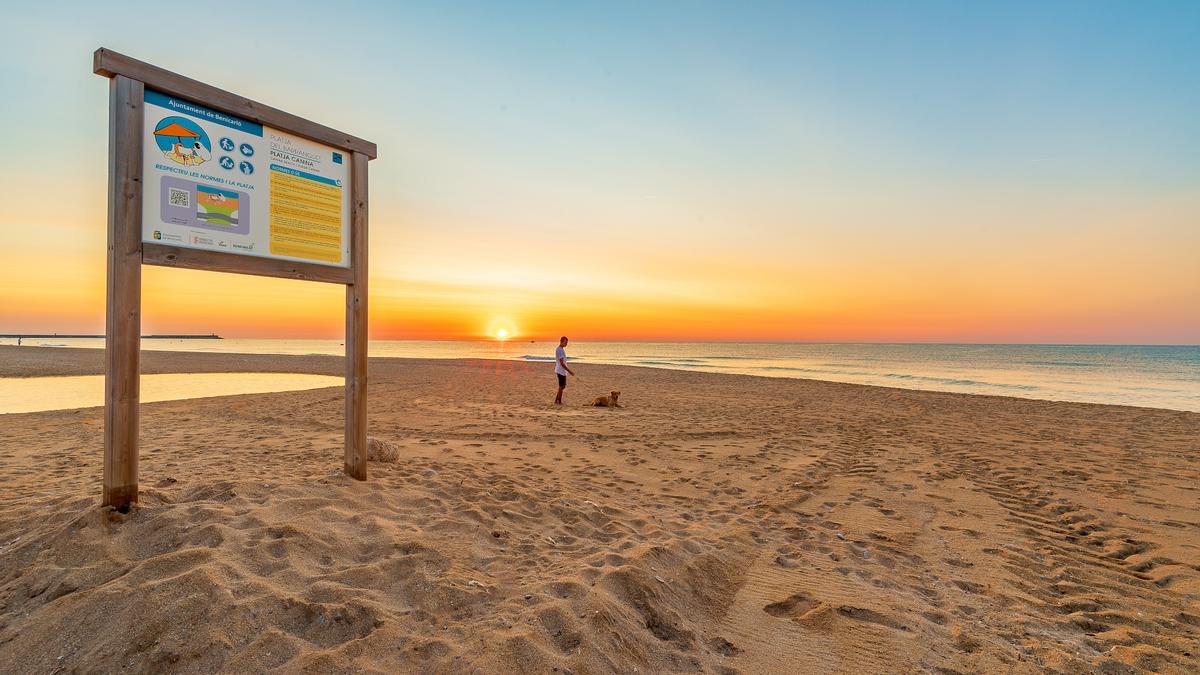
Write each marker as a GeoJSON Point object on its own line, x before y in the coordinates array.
{"type": "Point", "coordinates": [609, 401]}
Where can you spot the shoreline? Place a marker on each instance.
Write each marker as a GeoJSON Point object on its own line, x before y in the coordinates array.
{"type": "Point", "coordinates": [28, 362]}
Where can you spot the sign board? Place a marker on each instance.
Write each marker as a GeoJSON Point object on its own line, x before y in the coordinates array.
{"type": "Point", "coordinates": [205, 179]}
{"type": "Point", "coordinates": [219, 182]}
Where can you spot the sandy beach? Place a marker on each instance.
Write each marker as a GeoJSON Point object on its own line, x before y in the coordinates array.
{"type": "Point", "coordinates": [718, 523]}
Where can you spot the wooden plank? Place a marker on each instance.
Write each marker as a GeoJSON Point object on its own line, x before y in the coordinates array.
{"type": "Point", "coordinates": [235, 263]}
{"type": "Point", "coordinates": [356, 325]}
{"type": "Point", "coordinates": [124, 293]}
{"type": "Point", "coordinates": [109, 63]}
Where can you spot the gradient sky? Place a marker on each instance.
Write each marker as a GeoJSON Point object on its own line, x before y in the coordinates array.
{"type": "Point", "coordinates": [958, 171]}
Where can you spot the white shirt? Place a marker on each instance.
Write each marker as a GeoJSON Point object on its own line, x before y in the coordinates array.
{"type": "Point", "coordinates": [560, 358]}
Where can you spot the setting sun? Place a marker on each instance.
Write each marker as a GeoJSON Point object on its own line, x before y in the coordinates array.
{"type": "Point", "coordinates": [501, 327]}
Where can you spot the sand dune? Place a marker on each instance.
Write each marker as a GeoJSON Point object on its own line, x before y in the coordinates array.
{"type": "Point", "coordinates": [717, 524]}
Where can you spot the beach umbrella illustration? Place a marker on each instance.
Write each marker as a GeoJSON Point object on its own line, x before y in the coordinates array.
{"type": "Point", "coordinates": [177, 130]}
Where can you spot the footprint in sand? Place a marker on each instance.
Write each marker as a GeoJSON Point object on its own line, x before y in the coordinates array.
{"type": "Point", "coordinates": [796, 605]}
{"type": "Point", "coordinates": [869, 616]}
{"type": "Point", "coordinates": [802, 605]}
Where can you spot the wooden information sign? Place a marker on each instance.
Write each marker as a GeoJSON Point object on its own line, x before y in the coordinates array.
{"type": "Point", "coordinates": [205, 179]}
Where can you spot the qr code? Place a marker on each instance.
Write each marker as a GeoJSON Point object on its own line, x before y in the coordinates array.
{"type": "Point", "coordinates": [177, 197]}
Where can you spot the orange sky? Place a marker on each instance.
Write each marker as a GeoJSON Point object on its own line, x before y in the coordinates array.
{"type": "Point", "coordinates": [825, 284]}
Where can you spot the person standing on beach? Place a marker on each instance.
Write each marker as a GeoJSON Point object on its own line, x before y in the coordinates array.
{"type": "Point", "coordinates": [560, 368]}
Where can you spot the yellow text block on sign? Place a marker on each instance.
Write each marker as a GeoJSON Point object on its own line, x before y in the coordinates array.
{"type": "Point", "coordinates": [306, 218]}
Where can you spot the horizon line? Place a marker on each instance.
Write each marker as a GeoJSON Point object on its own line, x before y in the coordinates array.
{"type": "Point", "coordinates": [653, 341]}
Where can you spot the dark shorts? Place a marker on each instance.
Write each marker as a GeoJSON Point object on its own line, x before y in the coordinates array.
{"type": "Point", "coordinates": [562, 380]}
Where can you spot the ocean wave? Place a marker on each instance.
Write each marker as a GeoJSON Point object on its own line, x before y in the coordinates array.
{"type": "Point", "coordinates": [959, 381]}
{"type": "Point", "coordinates": [859, 375]}
{"type": "Point", "coordinates": [681, 363]}
{"type": "Point", "coordinates": [1154, 390]}
{"type": "Point", "coordinates": [529, 357]}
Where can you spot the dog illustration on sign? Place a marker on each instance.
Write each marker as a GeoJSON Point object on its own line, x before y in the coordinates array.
{"type": "Point", "coordinates": [216, 206]}
{"type": "Point", "coordinates": [183, 141]}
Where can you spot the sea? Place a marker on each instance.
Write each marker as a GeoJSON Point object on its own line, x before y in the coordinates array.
{"type": "Point", "coordinates": [1148, 376]}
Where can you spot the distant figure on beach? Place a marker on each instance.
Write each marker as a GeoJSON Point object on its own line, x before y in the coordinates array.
{"type": "Point", "coordinates": [560, 368]}
{"type": "Point", "coordinates": [18, 342]}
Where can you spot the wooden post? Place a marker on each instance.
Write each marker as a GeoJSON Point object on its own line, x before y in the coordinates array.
{"type": "Point", "coordinates": [356, 324]}
{"type": "Point", "coordinates": [124, 292]}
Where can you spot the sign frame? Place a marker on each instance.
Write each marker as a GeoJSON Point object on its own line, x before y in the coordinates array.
{"type": "Point", "coordinates": [128, 80]}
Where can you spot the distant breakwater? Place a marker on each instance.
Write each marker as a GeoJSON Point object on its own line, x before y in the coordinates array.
{"type": "Point", "coordinates": [28, 336]}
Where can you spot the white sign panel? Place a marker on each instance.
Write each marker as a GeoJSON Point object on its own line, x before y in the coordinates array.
{"type": "Point", "coordinates": [218, 182]}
